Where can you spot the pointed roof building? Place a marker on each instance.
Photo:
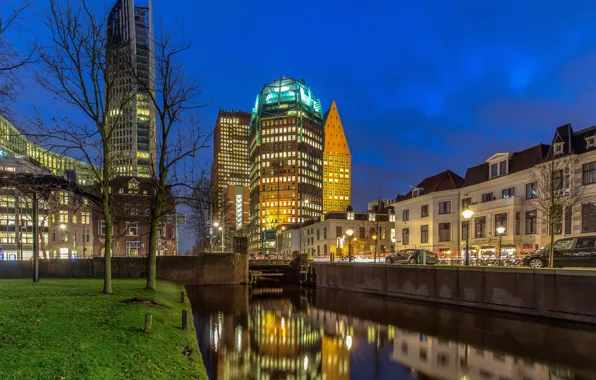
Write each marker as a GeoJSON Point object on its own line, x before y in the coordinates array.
{"type": "Point", "coordinates": [337, 164]}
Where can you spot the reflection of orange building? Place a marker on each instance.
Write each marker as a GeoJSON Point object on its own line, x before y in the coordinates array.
{"type": "Point", "coordinates": [337, 164]}
{"type": "Point", "coordinates": [335, 358]}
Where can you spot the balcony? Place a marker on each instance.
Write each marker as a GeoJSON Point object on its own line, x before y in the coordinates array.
{"type": "Point", "coordinates": [497, 203]}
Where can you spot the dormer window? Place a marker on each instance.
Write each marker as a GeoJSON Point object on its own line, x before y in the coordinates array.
{"type": "Point", "coordinates": [590, 141]}
{"type": "Point", "coordinates": [558, 148]}
{"type": "Point", "coordinates": [415, 192]}
{"type": "Point", "coordinates": [498, 164]}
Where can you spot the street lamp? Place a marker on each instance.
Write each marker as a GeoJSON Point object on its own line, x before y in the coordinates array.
{"type": "Point", "coordinates": [350, 232]}
{"type": "Point", "coordinates": [222, 238]}
{"type": "Point", "coordinates": [215, 225]}
{"type": "Point", "coordinates": [374, 237]}
{"type": "Point", "coordinates": [393, 240]}
{"type": "Point", "coordinates": [467, 214]}
{"type": "Point", "coordinates": [280, 232]}
{"type": "Point", "coordinates": [500, 231]}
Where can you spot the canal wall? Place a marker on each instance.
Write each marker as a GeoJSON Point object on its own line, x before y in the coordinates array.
{"type": "Point", "coordinates": [204, 269]}
{"type": "Point", "coordinates": [558, 293]}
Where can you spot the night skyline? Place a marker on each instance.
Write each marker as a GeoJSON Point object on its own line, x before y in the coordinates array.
{"type": "Point", "coordinates": [437, 82]}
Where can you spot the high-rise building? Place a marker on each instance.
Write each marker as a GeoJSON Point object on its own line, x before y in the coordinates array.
{"type": "Point", "coordinates": [286, 156]}
{"type": "Point", "coordinates": [132, 120]}
{"type": "Point", "coordinates": [230, 170]}
{"type": "Point", "coordinates": [337, 164]}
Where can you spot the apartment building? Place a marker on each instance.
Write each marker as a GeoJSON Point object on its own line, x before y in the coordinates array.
{"type": "Point", "coordinates": [504, 191]}
{"type": "Point", "coordinates": [371, 232]}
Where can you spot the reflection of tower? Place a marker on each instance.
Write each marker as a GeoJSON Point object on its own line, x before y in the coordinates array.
{"type": "Point", "coordinates": [335, 358]}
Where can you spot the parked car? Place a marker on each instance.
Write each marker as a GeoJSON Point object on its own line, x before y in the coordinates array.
{"type": "Point", "coordinates": [569, 252]}
{"type": "Point", "coordinates": [410, 256]}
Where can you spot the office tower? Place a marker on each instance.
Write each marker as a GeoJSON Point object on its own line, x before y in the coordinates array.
{"type": "Point", "coordinates": [286, 156]}
{"type": "Point", "coordinates": [230, 170]}
{"type": "Point", "coordinates": [337, 164]}
{"type": "Point", "coordinates": [129, 38]}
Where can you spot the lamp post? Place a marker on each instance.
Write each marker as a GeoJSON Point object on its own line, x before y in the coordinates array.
{"type": "Point", "coordinates": [215, 225]}
{"type": "Point", "coordinates": [467, 214]}
{"type": "Point", "coordinates": [393, 240]}
{"type": "Point", "coordinates": [350, 232]}
{"type": "Point", "coordinates": [374, 237]}
{"type": "Point", "coordinates": [500, 231]}
{"type": "Point", "coordinates": [280, 233]}
{"type": "Point", "coordinates": [222, 238]}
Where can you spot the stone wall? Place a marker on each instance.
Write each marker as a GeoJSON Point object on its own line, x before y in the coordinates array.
{"type": "Point", "coordinates": [205, 269]}
{"type": "Point", "coordinates": [560, 293]}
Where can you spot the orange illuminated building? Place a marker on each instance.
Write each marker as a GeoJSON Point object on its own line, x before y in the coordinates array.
{"type": "Point", "coordinates": [337, 164]}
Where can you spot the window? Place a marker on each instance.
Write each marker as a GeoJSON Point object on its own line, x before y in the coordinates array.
{"type": "Point", "coordinates": [405, 236]}
{"type": "Point", "coordinates": [586, 243]}
{"type": "Point", "coordinates": [392, 217]}
{"type": "Point", "coordinates": [502, 167]}
{"type": "Point", "coordinates": [531, 219]}
{"type": "Point", "coordinates": [338, 231]}
{"type": "Point", "coordinates": [494, 171]}
{"type": "Point", "coordinates": [501, 221]}
{"type": "Point", "coordinates": [423, 354]}
{"type": "Point", "coordinates": [480, 227]}
{"type": "Point", "coordinates": [487, 197]}
{"type": "Point", "coordinates": [383, 233]}
{"type": "Point", "coordinates": [102, 228]}
{"type": "Point", "coordinates": [464, 230]}
{"type": "Point", "coordinates": [563, 244]}
{"type": "Point", "coordinates": [85, 218]}
{"type": "Point", "coordinates": [423, 211]}
{"type": "Point", "coordinates": [444, 232]}
{"type": "Point", "coordinates": [325, 249]}
{"type": "Point", "coordinates": [74, 218]}
{"type": "Point", "coordinates": [318, 234]}
{"type": "Point", "coordinates": [465, 203]}
{"type": "Point", "coordinates": [63, 217]}
{"type": "Point", "coordinates": [590, 142]}
{"type": "Point", "coordinates": [568, 218]}
{"type": "Point", "coordinates": [517, 223]}
{"type": "Point", "coordinates": [406, 215]}
{"type": "Point", "coordinates": [324, 232]}
{"type": "Point", "coordinates": [415, 193]}
{"type": "Point", "coordinates": [63, 235]}
{"type": "Point", "coordinates": [558, 216]}
{"type": "Point", "coordinates": [589, 173]}
{"type": "Point", "coordinates": [63, 198]}
{"type": "Point", "coordinates": [588, 217]}
{"type": "Point", "coordinates": [424, 234]}
{"type": "Point", "coordinates": [350, 216]}
{"type": "Point", "coordinates": [558, 180]}
{"type": "Point", "coordinates": [444, 207]}
{"type": "Point", "coordinates": [509, 193]}
{"type": "Point", "coordinates": [558, 147]}
{"type": "Point", "coordinates": [531, 190]}
{"type": "Point", "coordinates": [133, 186]}
{"type": "Point", "coordinates": [372, 217]}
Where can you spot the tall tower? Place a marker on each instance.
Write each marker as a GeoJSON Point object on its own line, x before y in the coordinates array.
{"type": "Point", "coordinates": [230, 170]}
{"type": "Point", "coordinates": [337, 164]}
{"type": "Point", "coordinates": [286, 155]}
{"type": "Point", "coordinates": [129, 37]}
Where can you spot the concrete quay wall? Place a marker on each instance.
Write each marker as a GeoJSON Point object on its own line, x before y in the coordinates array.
{"type": "Point", "coordinates": [204, 269]}
{"type": "Point", "coordinates": [558, 293]}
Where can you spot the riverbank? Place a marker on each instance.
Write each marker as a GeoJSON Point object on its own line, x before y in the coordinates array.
{"type": "Point", "coordinates": [68, 329]}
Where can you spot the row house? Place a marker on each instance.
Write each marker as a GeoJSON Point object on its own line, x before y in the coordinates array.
{"type": "Point", "coordinates": [505, 191]}
{"type": "Point", "coordinates": [371, 232]}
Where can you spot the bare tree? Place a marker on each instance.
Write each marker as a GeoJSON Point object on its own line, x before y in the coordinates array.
{"type": "Point", "coordinates": [11, 59]}
{"type": "Point", "coordinates": [80, 68]}
{"type": "Point", "coordinates": [556, 187]}
{"type": "Point", "coordinates": [178, 136]}
{"type": "Point", "coordinates": [199, 203]}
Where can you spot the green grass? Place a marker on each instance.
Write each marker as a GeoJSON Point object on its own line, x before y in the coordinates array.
{"type": "Point", "coordinates": [67, 329]}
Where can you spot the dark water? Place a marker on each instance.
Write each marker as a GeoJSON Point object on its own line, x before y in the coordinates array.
{"type": "Point", "coordinates": [293, 333]}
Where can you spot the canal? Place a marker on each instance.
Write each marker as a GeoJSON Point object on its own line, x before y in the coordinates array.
{"type": "Point", "coordinates": [293, 333]}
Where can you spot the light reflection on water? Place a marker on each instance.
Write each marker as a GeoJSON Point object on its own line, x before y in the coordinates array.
{"type": "Point", "coordinates": [290, 334]}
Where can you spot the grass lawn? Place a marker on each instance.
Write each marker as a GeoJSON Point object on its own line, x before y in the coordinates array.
{"type": "Point", "coordinates": [67, 329]}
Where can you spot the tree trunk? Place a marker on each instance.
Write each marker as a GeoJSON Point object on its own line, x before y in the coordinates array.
{"type": "Point", "coordinates": [107, 279]}
{"type": "Point", "coordinates": [152, 254]}
{"type": "Point", "coordinates": [551, 251]}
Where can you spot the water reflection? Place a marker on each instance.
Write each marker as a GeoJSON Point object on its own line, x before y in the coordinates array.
{"type": "Point", "coordinates": [289, 334]}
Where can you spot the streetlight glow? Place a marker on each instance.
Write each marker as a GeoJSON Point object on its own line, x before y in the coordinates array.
{"type": "Point", "coordinates": [62, 226]}
{"type": "Point", "coordinates": [500, 230]}
{"type": "Point", "coordinates": [215, 224]}
{"type": "Point", "coordinates": [467, 213]}
{"type": "Point", "coordinates": [220, 229]}
{"type": "Point", "coordinates": [350, 232]}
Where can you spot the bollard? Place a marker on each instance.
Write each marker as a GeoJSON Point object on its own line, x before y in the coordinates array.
{"type": "Point", "coordinates": [184, 319]}
{"type": "Point", "coordinates": [181, 297]}
{"type": "Point", "coordinates": [148, 319]}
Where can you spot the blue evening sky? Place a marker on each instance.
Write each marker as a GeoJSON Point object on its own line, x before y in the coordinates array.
{"type": "Point", "coordinates": [421, 86]}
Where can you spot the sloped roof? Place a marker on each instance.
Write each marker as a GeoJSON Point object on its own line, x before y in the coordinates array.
{"type": "Point", "coordinates": [335, 137]}
{"type": "Point", "coordinates": [443, 181]}
{"type": "Point", "coordinates": [519, 161]}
